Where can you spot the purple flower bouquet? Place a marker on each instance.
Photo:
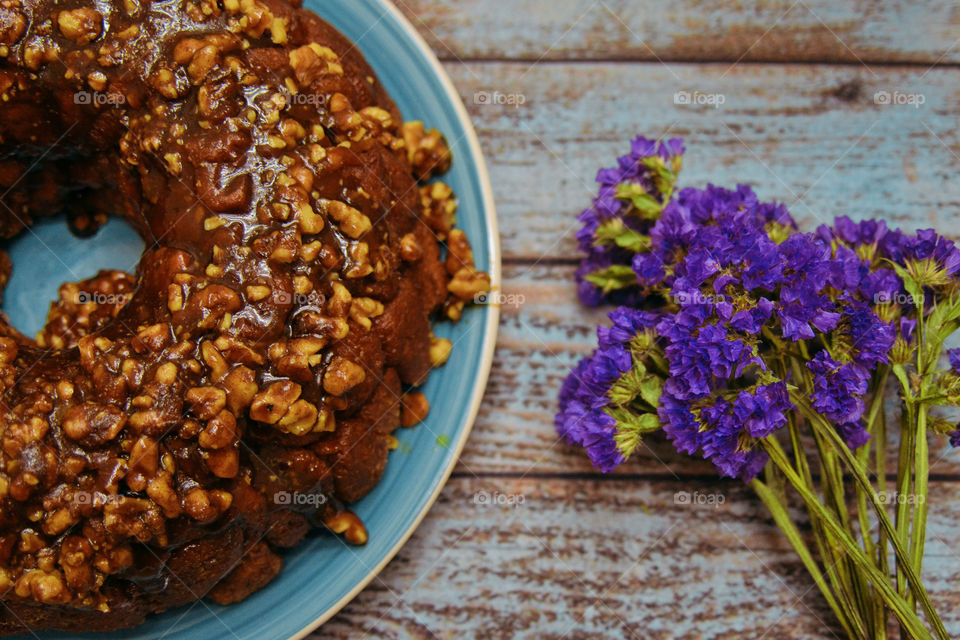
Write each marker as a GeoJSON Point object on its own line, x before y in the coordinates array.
{"type": "Point", "coordinates": [770, 352]}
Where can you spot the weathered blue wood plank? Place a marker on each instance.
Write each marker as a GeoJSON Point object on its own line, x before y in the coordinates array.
{"type": "Point", "coordinates": [813, 137]}
{"type": "Point", "coordinates": [775, 30]}
{"type": "Point", "coordinates": [614, 559]}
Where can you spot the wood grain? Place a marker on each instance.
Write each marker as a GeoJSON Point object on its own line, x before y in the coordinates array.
{"type": "Point", "coordinates": [855, 32]}
{"type": "Point", "coordinates": [611, 558]}
{"type": "Point", "coordinates": [576, 554]}
{"type": "Point", "coordinates": [809, 136]}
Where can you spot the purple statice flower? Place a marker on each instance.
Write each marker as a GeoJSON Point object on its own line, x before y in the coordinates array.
{"type": "Point", "coordinates": [710, 233]}
{"type": "Point", "coordinates": [679, 423]}
{"type": "Point", "coordinates": [693, 271]}
{"type": "Point", "coordinates": [649, 268]}
{"type": "Point", "coordinates": [729, 273]}
{"type": "Point", "coordinates": [627, 324]}
{"type": "Point", "coordinates": [953, 355]}
{"type": "Point", "coordinates": [581, 419]}
{"type": "Point", "coordinates": [701, 352]}
{"type": "Point", "coordinates": [882, 286]}
{"type": "Point", "coordinates": [929, 245]}
{"type": "Point", "coordinates": [864, 233]}
{"type": "Point", "coordinates": [803, 306]}
{"type": "Point", "coordinates": [604, 206]}
{"type": "Point", "coordinates": [925, 245]}
{"type": "Point", "coordinates": [838, 395]}
{"type": "Point", "coordinates": [670, 149]}
{"type": "Point", "coordinates": [752, 320]}
{"type": "Point", "coordinates": [632, 170]}
{"type": "Point", "coordinates": [955, 438]}
{"type": "Point", "coordinates": [722, 427]}
{"type": "Point", "coordinates": [908, 327]}
{"type": "Point", "coordinates": [584, 397]}
{"type": "Point", "coordinates": [872, 337]}
{"type": "Point", "coordinates": [854, 267]}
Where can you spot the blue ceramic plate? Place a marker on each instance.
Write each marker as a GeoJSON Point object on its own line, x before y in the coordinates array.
{"type": "Point", "coordinates": [323, 574]}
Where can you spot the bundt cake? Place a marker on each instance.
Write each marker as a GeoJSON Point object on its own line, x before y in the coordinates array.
{"type": "Point", "coordinates": [170, 430]}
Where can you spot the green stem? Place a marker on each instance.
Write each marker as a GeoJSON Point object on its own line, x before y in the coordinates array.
{"type": "Point", "coordinates": [904, 480]}
{"type": "Point", "coordinates": [879, 432]}
{"type": "Point", "coordinates": [833, 558]}
{"type": "Point", "coordinates": [905, 614]}
{"type": "Point", "coordinates": [916, 586]}
{"type": "Point", "coordinates": [835, 500]}
{"type": "Point", "coordinates": [874, 416]}
{"type": "Point", "coordinates": [782, 517]}
{"type": "Point", "coordinates": [921, 480]}
{"type": "Point", "coordinates": [852, 592]}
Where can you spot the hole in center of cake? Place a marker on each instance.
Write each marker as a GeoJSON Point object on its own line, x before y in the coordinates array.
{"type": "Point", "coordinates": [48, 254]}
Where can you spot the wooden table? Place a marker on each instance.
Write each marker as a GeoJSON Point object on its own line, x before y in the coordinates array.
{"type": "Point", "coordinates": [661, 549]}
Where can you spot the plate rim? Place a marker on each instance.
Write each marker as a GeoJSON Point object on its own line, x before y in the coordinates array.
{"type": "Point", "coordinates": [492, 311]}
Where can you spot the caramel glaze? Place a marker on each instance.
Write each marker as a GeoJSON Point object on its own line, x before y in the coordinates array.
{"type": "Point", "coordinates": [285, 296]}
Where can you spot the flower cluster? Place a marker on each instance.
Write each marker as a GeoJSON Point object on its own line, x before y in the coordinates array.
{"type": "Point", "coordinates": [593, 396]}
{"type": "Point", "coordinates": [739, 295]}
{"type": "Point", "coordinates": [735, 326]}
{"type": "Point", "coordinates": [630, 199]}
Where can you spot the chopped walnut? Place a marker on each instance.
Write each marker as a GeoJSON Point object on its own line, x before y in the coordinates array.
{"type": "Point", "coordinates": [272, 403]}
{"type": "Point", "coordinates": [80, 25]}
{"type": "Point", "coordinates": [342, 375]}
{"type": "Point", "coordinates": [415, 409]}
{"type": "Point", "coordinates": [362, 310]}
{"type": "Point", "coordinates": [427, 151]}
{"type": "Point", "coordinates": [468, 283]}
{"type": "Point", "coordinates": [12, 25]}
{"type": "Point", "coordinates": [350, 220]}
{"type": "Point", "coordinates": [206, 402]}
{"type": "Point", "coordinates": [438, 208]}
{"type": "Point", "coordinates": [220, 432]}
{"type": "Point", "coordinates": [440, 349]}
{"type": "Point", "coordinates": [348, 524]}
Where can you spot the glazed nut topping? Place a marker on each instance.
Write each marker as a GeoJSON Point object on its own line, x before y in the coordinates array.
{"type": "Point", "coordinates": [415, 409]}
{"type": "Point", "coordinates": [223, 463]}
{"type": "Point", "coordinates": [206, 402]}
{"type": "Point", "coordinates": [220, 432]}
{"type": "Point", "coordinates": [91, 421]}
{"type": "Point", "coordinates": [43, 586]}
{"type": "Point", "coordinates": [204, 505]}
{"type": "Point", "coordinates": [241, 387]}
{"type": "Point", "coordinates": [349, 525]}
{"type": "Point", "coordinates": [427, 151]}
{"type": "Point", "coordinates": [80, 25]}
{"type": "Point", "coordinates": [440, 349]}
{"type": "Point", "coordinates": [300, 418]}
{"type": "Point", "coordinates": [160, 490]}
{"type": "Point", "coordinates": [459, 253]}
{"type": "Point", "coordinates": [468, 283]}
{"type": "Point", "coordinates": [341, 300]}
{"type": "Point", "coordinates": [351, 221]}
{"type": "Point", "coordinates": [310, 222]}
{"type": "Point", "coordinates": [167, 373]}
{"type": "Point", "coordinates": [12, 26]}
{"type": "Point", "coordinates": [342, 375]}
{"type": "Point", "coordinates": [256, 293]}
{"type": "Point", "coordinates": [362, 310]}
{"type": "Point", "coordinates": [313, 60]}
{"type": "Point", "coordinates": [410, 249]}
{"type": "Point", "coordinates": [272, 403]}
